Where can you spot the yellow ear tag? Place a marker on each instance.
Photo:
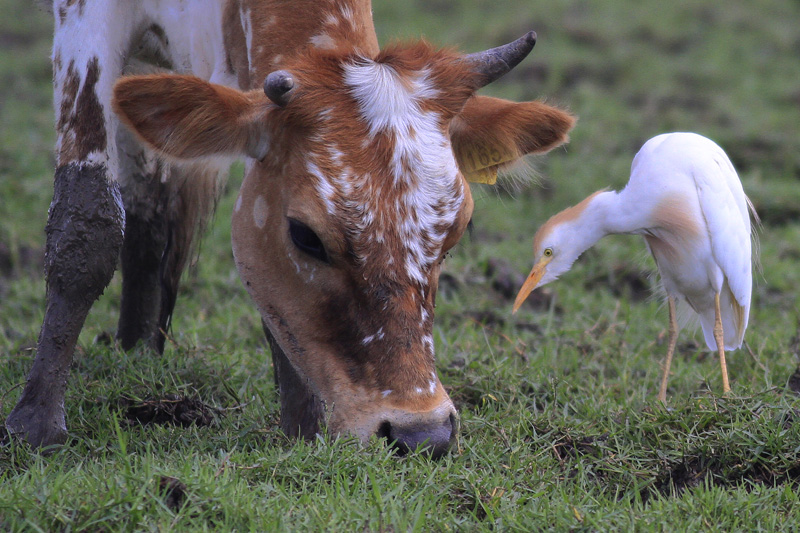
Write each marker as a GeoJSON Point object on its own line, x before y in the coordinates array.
{"type": "Point", "coordinates": [480, 162]}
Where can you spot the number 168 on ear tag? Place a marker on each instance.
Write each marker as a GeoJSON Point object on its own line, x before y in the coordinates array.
{"type": "Point", "coordinates": [480, 163]}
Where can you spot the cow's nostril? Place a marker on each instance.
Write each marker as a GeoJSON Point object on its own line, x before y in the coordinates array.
{"type": "Point", "coordinates": [432, 438]}
{"type": "Point", "coordinates": [385, 431]}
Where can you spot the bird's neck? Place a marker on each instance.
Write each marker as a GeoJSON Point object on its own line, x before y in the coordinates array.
{"type": "Point", "coordinates": [596, 219]}
{"type": "Point", "coordinates": [607, 212]}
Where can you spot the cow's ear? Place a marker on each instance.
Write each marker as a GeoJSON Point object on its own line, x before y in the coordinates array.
{"type": "Point", "coordinates": [490, 134]}
{"type": "Point", "coordinates": [185, 118]}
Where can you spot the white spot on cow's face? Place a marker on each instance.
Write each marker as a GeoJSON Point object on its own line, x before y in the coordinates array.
{"type": "Point", "coordinates": [430, 389]}
{"type": "Point", "coordinates": [323, 41]}
{"type": "Point", "coordinates": [324, 187]}
{"type": "Point", "coordinates": [386, 393]}
{"type": "Point", "coordinates": [432, 383]}
{"type": "Point", "coordinates": [347, 13]}
{"type": "Point", "coordinates": [369, 338]}
{"type": "Point", "coordinates": [427, 340]}
{"type": "Point", "coordinates": [247, 27]}
{"type": "Point", "coordinates": [260, 212]}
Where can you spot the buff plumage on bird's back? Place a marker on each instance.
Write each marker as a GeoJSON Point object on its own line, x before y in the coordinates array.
{"type": "Point", "coordinates": [685, 198]}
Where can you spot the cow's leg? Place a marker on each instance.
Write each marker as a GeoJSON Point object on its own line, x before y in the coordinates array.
{"type": "Point", "coordinates": [84, 236]}
{"type": "Point", "coordinates": [86, 219]}
{"type": "Point", "coordinates": [167, 208]}
{"type": "Point", "coordinates": [301, 410]}
{"type": "Point", "coordinates": [145, 193]}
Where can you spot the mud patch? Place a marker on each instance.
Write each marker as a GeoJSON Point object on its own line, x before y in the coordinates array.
{"type": "Point", "coordinates": [794, 381]}
{"type": "Point", "coordinates": [569, 446]}
{"type": "Point", "coordinates": [506, 281]}
{"type": "Point", "coordinates": [172, 409]}
{"type": "Point", "coordinates": [624, 281]}
{"type": "Point", "coordinates": [679, 478]}
{"type": "Point", "coordinates": [173, 491]}
{"type": "Point", "coordinates": [484, 317]}
{"type": "Point", "coordinates": [449, 285]}
{"type": "Point", "coordinates": [565, 445]}
{"type": "Point", "coordinates": [504, 278]}
{"type": "Point", "coordinates": [702, 470]}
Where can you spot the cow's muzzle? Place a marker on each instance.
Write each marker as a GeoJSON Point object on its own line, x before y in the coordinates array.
{"type": "Point", "coordinates": [432, 435]}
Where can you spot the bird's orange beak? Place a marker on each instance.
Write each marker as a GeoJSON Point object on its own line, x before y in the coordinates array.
{"type": "Point", "coordinates": [530, 284]}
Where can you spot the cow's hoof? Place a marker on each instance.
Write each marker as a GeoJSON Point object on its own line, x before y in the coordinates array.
{"type": "Point", "coordinates": [40, 430]}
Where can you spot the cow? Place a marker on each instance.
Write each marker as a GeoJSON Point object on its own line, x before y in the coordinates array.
{"type": "Point", "coordinates": [355, 187]}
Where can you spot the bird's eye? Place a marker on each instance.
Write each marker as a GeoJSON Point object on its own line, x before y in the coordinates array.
{"type": "Point", "coordinates": [548, 252]}
{"type": "Point", "coordinates": [307, 241]}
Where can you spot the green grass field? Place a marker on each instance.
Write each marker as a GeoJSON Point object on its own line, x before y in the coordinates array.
{"type": "Point", "coordinates": [560, 429]}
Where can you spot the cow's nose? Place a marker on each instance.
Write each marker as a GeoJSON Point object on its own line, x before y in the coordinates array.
{"type": "Point", "coordinates": [430, 437]}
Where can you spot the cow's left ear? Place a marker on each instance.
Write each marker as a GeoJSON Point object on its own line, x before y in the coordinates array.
{"type": "Point", "coordinates": [186, 118]}
{"type": "Point", "coordinates": [490, 134]}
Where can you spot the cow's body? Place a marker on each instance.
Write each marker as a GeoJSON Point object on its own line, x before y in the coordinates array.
{"type": "Point", "coordinates": [353, 193]}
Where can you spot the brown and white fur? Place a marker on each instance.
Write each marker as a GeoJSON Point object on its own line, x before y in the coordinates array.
{"type": "Point", "coordinates": [352, 195]}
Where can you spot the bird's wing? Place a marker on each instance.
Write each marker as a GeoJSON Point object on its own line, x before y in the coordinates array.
{"type": "Point", "coordinates": [725, 208]}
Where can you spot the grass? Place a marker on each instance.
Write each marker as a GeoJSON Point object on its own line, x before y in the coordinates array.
{"type": "Point", "coordinates": [559, 425]}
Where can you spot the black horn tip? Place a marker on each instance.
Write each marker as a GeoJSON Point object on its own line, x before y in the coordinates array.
{"type": "Point", "coordinates": [278, 87]}
{"type": "Point", "coordinates": [493, 63]}
{"type": "Point", "coordinates": [530, 38]}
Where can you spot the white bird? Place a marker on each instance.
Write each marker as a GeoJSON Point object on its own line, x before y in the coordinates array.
{"type": "Point", "coordinates": [685, 198]}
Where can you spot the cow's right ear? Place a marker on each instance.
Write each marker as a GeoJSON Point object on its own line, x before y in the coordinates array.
{"type": "Point", "coordinates": [491, 134]}
{"type": "Point", "coordinates": [186, 118]}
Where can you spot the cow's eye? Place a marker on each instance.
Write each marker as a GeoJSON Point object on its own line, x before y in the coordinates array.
{"type": "Point", "coordinates": [306, 240]}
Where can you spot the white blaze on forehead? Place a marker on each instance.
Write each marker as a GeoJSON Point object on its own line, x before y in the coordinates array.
{"type": "Point", "coordinates": [385, 101]}
{"type": "Point", "coordinates": [422, 158]}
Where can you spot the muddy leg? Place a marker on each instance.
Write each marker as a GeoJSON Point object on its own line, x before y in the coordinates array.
{"type": "Point", "coordinates": [84, 237]}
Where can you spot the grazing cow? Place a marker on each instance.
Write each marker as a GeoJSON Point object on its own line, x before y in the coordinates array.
{"type": "Point", "coordinates": [354, 190]}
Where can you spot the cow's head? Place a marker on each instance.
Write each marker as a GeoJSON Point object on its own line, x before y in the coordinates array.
{"type": "Point", "coordinates": [353, 193]}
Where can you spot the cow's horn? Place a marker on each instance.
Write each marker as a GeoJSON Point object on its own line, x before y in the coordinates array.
{"type": "Point", "coordinates": [278, 87]}
{"type": "Point", "coordinates": [493, 63]}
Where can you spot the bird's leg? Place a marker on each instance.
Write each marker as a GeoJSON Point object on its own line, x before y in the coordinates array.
{"type": "Point", "coordinates": [673, 339]}
{"type": "Point", "coordinates": [719, 337]}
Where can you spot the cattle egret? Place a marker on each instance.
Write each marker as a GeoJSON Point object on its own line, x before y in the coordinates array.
{"type": "Point", "coordinates": [685, 198]}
